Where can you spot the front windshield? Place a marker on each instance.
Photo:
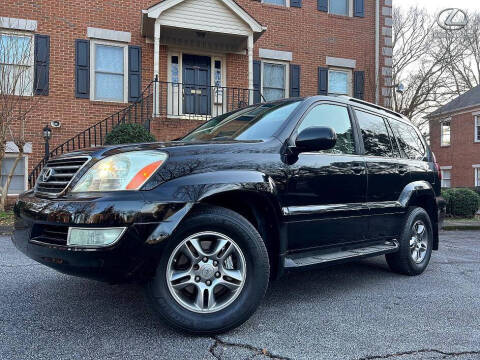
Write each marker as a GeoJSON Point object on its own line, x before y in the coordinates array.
{"type": "Point", "coordinates": [253, 123]}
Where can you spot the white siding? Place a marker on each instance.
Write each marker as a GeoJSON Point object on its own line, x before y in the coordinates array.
{"type": "Point", "coordinates": [205, 15]}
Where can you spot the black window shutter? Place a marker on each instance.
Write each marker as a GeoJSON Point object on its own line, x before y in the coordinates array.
{"type": "Point", "coordinates": [322, 81]}
{"type": "Point", "coordinates": [294, 80]}
{"type": "Point", "coordinates": [82, 69]}
{"type": "Point", "coordinates": [359, 8]}
{"type": "Point", "coordinates": [257, 81]}
{"type": "Point", "coordinates": [296, 3]}
{"type": "Point", "coordinates": [42, 64]}
{"type": "Point", "coordinates": [322, 5]}
{"type": "Point", "coordinates": [134, 73]}
{"type": "Point", "coordinates": [358, 84]}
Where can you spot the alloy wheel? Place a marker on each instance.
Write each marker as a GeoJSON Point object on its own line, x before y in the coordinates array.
{"type": "Point", "coordinates": [418, 241]}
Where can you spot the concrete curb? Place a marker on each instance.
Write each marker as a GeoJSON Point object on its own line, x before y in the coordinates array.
{"type": "Point", "coordinates": [460, 227]}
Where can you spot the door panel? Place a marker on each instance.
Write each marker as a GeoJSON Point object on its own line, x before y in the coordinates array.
{"type": "Point", "coordinates": [326, 191]}
{"type": "Point", "coordinates": [197, 92]}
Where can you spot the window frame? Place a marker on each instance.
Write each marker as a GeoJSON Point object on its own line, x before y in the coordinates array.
{"type": "Point", "coordinates": [476, 128]}
{"type": "Point", "coordinates": [287, 3]}
{"type": "Point", "coordinates": [442, 144]}
{"type": "Point", "coordinates": [349, 10]}
{"type": "Point", "coordinates": [287, 75]}
{"type": "Point", "coordinates": [124, 46]}
{"type": "Point", "coordinates": [449, 169]}
{"type": "Point", "coordinates": [349, 73]}
{"type": "Point", "coordinates": [25, 173]}
{"type": "Point", "coordinates": [31, 35]}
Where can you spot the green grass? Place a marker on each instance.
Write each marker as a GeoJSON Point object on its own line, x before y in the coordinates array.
{"type": "Point", "coordinates": [6, 218]}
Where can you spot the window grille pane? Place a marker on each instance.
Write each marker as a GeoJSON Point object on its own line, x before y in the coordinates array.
{"type": "Point", "coordinates": [273, 81]}
{"type": "Point", "coordinates": [339, 7]}
{"type": "Point", "coordinates": [108, 87]}
{"type": "Point", "coordinates": [338, 82]}
{"type": "Point", "coordinates": [276, 2]}
{"type": "Point", "coordinates": [15, 49]}
{"type": "Point", "coordinates": [17, 185]}
{"type": "Point", "coordinates": [446, 133]}
{"type": "Point", "coordinates": [109, 59]}
{"type": "Point", "coordinates": [273, 94]}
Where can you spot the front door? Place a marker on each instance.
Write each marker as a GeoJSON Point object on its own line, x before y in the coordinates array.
{"type": "Point", "coordinates": [326, 191]}
{"type": "Point", "coordinates": [196, 80]}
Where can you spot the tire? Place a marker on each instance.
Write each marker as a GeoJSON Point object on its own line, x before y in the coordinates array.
{"type": "Point", "coordinates": [248, 256]}
{"type": "Point", "coordinates": [413, 260]}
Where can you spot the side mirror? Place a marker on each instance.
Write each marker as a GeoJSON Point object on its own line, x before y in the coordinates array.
{"type": "Point", "coordinates": [316, 138]}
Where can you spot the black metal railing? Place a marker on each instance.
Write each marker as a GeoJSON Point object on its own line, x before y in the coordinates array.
{"type": "Point", "coordinates": [202, 102]}
{"type": "Point", "coordinates": [139, 112]}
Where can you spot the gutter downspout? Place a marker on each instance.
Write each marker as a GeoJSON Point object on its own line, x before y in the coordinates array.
{"type": "Point", "coordinates": [377, 49]}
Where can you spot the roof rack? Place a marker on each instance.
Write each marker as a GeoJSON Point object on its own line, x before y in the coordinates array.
{"type": "Point", "coordinates": [376, 107]}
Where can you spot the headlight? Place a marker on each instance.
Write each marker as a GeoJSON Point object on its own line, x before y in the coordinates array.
{"type": "Point", "coordinates": [126, 171]}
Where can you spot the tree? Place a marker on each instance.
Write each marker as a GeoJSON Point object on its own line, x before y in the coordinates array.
{"type": "Point", "coordinates": [16, 98]}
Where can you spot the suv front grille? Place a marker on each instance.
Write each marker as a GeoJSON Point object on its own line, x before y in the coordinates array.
{"type": "Point", "coordinates": [58, 173]}
{"type": "Point", "coordinates": [50, 234]}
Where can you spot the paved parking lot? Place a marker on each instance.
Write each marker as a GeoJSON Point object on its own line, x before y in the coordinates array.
{"type": "Point", "coordinates": [355, 311]}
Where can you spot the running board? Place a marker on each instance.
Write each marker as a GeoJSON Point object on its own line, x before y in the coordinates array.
{"type": "Point", "coordinates": [329, 257]}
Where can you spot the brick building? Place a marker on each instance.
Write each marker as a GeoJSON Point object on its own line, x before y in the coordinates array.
{"type": "Point", "coordinates": [94, 58]}
{"type": "Point", "coordinates": [455, 140]}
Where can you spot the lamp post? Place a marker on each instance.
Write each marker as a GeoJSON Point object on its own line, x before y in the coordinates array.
{"type": "Point", "coordinates": [47, 135]}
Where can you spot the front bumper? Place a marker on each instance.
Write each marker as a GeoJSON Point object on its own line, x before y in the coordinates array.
{"type": "Point", "coordinates": [132, 256]}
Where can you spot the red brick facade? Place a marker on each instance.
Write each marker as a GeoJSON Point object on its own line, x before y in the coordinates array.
{"type": "Point", "coordinates": [463, 152]}
{"type": "Point", "coordinates": [309, 34]}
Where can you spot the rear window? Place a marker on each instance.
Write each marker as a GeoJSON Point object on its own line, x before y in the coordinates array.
{"type": "Point", "coordinates": [410, 142]}
{"type": "Point", "coordinates": [376, 139]}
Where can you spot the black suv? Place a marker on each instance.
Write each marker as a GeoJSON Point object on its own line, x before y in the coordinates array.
{"type": "Point", "coordinates": [206, 221]}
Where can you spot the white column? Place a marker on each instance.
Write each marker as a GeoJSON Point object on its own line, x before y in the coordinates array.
{"type": "Point", "coordinates": [250, 67]}
{"type": "Point", "coordinates": [156, 67]}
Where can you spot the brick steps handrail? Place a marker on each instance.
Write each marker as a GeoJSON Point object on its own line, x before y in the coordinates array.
{"type": "Point", "coordinates": [139, 112]}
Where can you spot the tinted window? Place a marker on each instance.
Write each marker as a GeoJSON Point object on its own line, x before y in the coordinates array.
{"type": "Point", "coordinates": [408, 139]}
{"type": "Point", "coordinates": [252, 123]}
{"type": "Point", "coordinates": [337, 118]}
{"type": "Point", "coordinates": [375, 134]}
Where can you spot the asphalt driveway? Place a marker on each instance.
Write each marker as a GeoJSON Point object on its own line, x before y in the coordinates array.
{"type": "Point", "coordinates": [355, 311]}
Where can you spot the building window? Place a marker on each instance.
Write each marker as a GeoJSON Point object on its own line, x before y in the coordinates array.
{"type": "Point", "coordinates": [174, 71]}
{"type": "Point", "coordinates": [339, 82]}
{"type": "Point", "coordinates": [19, 179]}
{"type": "Point", "coordinates": [274, 81]}
{"type": "Point", "coordinates": [109, 72]}
{"type": "Point", "coordinates": [276, 2]}
{"type": "Point", "coordinates": [476, 169]}
{"type": "Point", "coordinates": [446, 176]}
{"type": "Point", "coordinates": [16, 64]}
{"type": "Point", "coordinates": [477, 128]}
{"type": "Point", "coordinates": [339, 7]}
{"type": "Point", "coordinates": [445, 133]}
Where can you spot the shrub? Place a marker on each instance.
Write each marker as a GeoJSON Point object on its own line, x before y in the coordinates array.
{"type": "Point", "coordinates": [461, 202]}
{"type": "Point", "coordinates": [128, 134]}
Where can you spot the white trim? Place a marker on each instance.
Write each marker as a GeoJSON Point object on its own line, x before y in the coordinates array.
{"type": "Point", "coordinates": [446, 167]}
{"type": "Point", "coordinates": [341, 62]}
{"type": "Point", "coordinates": [92, 69]}
{"type": "Point", "coordinates": [349, 79]}
{"type": "Point", "coordinates": [287, 3]}
{"type": "Point", "coordinates": [106, 34]}
{"type": "Point", "coordinates": [156, 10]}
{"type": "Point", "coordinates": [287, 75]}
{"type": "Point", "coordinates": [18, 24]}
{"type": "Point", "coordinates": [476, 171]}
{"type": "Point", "coordinates": [275, 54]}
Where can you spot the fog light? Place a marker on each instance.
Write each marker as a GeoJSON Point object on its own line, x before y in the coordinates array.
{"type": "Point", "coordinates": [94, 237]}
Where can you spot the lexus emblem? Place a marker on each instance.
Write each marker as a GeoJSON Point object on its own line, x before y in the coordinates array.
{"type": "Point", "coordinates": [47, 174]}
{"type": "Point", "coordinates": [452, 19]}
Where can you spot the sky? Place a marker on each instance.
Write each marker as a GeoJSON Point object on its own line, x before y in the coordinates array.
{"type": "Point", "coordinates": [436, 5]}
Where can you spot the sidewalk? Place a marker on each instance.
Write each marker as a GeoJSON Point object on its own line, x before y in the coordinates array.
{"type": "Point", "coordinates": [459, 224]}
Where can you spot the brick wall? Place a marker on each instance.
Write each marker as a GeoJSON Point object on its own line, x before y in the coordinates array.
{"type": "Point", "coordinates": [309, 34]}
{"type": "Point", "coordinates": [463, 151]}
